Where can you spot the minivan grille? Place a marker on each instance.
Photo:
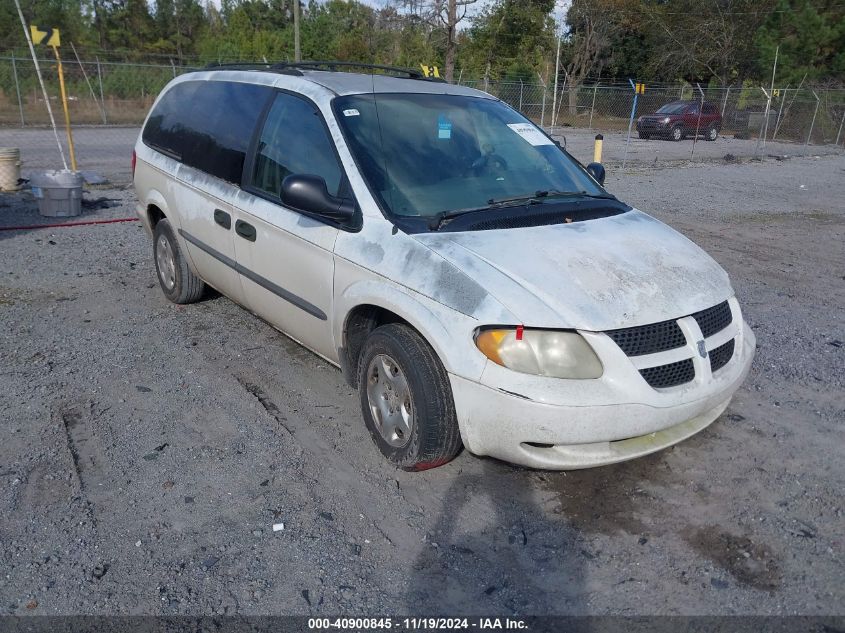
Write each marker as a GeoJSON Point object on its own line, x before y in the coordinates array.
{"type": "Point", "coordinates": [720, 356]}
{"type": "Point", "coordinates": [670, 375]}
{"type": "Point", "coordinates": [668, 335]}
{"type": "Point", "coordinates": [713, 319]}
{"type": "Point", "coordinates": [648, 339]}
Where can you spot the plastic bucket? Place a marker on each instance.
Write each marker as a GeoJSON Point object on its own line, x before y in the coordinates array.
{"type": "Point", "coordinates": [59, 193]}
{"type": "Point", "coordinates": [10, 168]}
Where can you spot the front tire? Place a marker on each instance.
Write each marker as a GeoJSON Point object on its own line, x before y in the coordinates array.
{"type": "Point", "coordinates": [178, 282]}
{"type": "Point", "coordinates": [406, 399]}
{"type": "Point", "coordinates": [677, 133]}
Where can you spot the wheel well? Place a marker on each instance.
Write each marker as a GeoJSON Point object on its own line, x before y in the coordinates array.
{"type": "Point", "coordinates": [362, 320]}
{"type": "Point", "coordinates": [155, 215]}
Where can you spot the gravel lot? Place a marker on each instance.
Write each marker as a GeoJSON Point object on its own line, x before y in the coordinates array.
{"type": "Point", "coordinates": [147, 448]}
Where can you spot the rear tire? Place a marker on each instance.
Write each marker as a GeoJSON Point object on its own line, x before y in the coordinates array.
{"type": "Point", "coordinates": [677, 133]}
{"type": "Point", "coordinates": [406, 399]}
{"type": "Point", "coordinates": [712, 133]}
{"type": "Point", "coordinates": [644, 136]}
{"type": "Point", "coordinates": [178, 282]}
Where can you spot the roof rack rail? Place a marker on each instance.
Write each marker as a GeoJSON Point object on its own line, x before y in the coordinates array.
{"type": "Point", "coordinates": [296, 68]}
{"type": "Point", "coordinates": [237, 65]}
{"type": "Point", "coordinates": [337, 65]}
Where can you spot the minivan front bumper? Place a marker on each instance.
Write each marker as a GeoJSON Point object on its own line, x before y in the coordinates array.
{"type": "Point", "coordinates": [605, 423]}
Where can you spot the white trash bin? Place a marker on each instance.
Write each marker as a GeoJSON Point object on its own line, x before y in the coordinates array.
{"type": "Point", "coordinates": [10, 168]}
{"type": "Point", "coordinates": [59, 193]}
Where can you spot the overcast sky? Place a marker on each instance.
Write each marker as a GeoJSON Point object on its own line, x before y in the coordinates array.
{"type": "Point", "coordinates": [560, 9]}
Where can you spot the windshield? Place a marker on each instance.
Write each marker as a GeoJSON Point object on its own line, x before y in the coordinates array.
{"type": "Point", "coordinates": [427, 154]}
{"type": "Point", "coordinates": [673, 108]}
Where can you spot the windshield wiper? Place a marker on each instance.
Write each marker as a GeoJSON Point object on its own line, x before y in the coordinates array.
{"type": "Point", "coordinates": [539, 196]}
{"type": "Point", "coordinates": [553, 193]}
{"type": "Point", "coordinates": [444, 217]}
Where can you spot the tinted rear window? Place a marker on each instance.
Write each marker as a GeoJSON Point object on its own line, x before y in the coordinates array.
{"type": "Point", "coordinates": [207, 125]}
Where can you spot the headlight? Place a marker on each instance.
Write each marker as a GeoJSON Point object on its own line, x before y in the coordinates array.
{"type": "Point", "coordinates": [540, 352]}
{"type": "Point", "coordinates": [666, 120]}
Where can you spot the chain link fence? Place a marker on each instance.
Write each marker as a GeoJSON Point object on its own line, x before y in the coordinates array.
{"type": "Point", "coordinates": [794, 115]}
{"type": "Point", "coordinates": [108, 101]}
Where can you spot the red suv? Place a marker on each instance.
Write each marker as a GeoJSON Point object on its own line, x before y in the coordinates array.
{"type": "Point", "coordinates": [680, 119]}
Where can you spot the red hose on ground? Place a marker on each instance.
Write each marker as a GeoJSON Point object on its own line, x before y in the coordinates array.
{"type": "Point", "coordinates": [55, 226]}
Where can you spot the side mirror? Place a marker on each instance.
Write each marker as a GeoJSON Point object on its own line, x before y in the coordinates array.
{"type": "Point", "coordinates": [596, 170]}
{"type": "Point", "coordinates": [309, 193]}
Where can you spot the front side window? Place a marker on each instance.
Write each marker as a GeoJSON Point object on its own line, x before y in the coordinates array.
{"type": "Point", "coordinates": [294, 141]}
{"type": "Point", "coordinates": [426, 154]}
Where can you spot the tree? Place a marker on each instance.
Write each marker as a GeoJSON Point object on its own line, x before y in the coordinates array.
{"type": "Point", "coordinates": [811, 39]}
{"type": "Point", "coordinates": [450, 23]}
{"type": "Point", "coordinates": [592, 25]}
{"type": "Point", "coordinates": [699, 39]}
{"type": "Point", "coordinates": [443, 15]}
{"type": "Point", "coordinates": [511, 39]}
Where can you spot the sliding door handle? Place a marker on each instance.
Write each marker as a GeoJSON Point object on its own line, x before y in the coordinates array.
{"type": "Point", "coordinates": [246, 231]}
{"type": "Point", "coordinates": [223, 219]}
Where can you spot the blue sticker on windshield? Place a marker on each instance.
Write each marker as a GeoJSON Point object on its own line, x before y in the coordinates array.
{"type": "Point", "coordinates": [444, 127]}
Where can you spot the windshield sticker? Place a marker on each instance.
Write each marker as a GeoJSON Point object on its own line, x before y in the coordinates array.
{"type": "Point", "coordinates": [351, 112]}
{"type": "Point", "coordinates": [444, 127]}
{"type": "Point", "coordinates": [530, 134]}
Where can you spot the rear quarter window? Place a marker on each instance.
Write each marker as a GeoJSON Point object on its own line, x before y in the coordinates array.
{"type": "Point", "coordinates": [207, 125]}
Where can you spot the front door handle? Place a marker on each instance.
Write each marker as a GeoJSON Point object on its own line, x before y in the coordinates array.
{"type": "Point", "coordinates": [246, 231]}
{"type": "Point", "coordinates": [223, 219]}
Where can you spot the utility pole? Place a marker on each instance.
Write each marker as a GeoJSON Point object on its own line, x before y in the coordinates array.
{"type": "Point", "coordinates": [297, 51]}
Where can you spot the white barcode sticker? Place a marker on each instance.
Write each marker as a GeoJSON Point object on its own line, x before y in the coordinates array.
{"type": "Point", "coordinates": [351, 112]}
{"type": "Point", "coordinates": [530, 133]}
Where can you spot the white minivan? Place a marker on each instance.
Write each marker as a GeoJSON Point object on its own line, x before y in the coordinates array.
{"type": "Point", "coordinates": [475, 282]}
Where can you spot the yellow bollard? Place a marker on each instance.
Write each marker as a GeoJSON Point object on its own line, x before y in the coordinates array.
{"type": "Point", "coordinates": [597, 148]}
{"type": "Point", "coordinates": [67, 113]}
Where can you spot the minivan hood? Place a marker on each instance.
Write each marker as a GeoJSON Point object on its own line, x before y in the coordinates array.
{"type": "Point", "coordinates": [602, 274]}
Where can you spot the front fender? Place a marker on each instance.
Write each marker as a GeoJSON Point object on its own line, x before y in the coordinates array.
{"type": "Point", "coordinates": [454, 344]}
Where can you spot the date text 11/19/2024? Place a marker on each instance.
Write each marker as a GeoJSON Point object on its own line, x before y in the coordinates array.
{"type": "Point", "coordinates": [417, 624]}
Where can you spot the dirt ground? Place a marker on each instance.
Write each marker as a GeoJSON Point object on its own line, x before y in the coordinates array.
{"type": "Point", "coordinates": [148, 449]}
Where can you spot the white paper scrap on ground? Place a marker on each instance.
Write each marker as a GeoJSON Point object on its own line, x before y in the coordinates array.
{"type": "Point", "coordinates": [530, 133]}
{"type": "Point", "coordinates": [278, 527]}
